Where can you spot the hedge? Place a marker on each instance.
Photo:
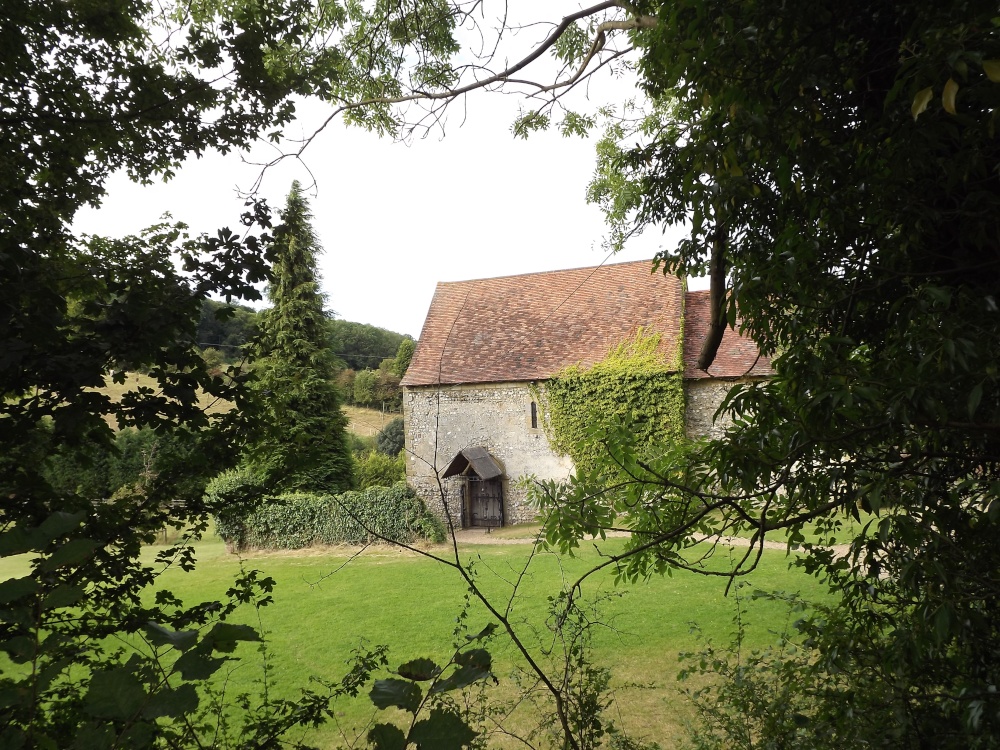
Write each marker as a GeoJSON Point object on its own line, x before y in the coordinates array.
{"type": "Point", "coordinates": [297, 520]}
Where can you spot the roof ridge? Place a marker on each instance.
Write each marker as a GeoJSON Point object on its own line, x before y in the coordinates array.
{"type": "Point", "coordinates": [553, 271]}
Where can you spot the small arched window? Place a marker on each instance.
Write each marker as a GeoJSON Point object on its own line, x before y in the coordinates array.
{"type": "Point", "coordinates": [534, 415]}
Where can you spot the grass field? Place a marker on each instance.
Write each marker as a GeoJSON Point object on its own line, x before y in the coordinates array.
{"type": "Point", "coordinates": [367, 422]}
{"type": "Point", "coordinates": [361, 421]}
{"type": "Point", "coordinates": [324, 608]}
{"type": "Point", "coordinates": [136, 380]}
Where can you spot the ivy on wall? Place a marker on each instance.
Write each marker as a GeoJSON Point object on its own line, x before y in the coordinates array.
{"type": "Point", "coordinates": [635, 385]}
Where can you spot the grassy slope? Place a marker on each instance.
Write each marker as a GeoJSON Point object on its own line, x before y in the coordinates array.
{"type": "Point", "coordinates": [321, 612]}
{"type": "Point", "coordinates": [135, 380]}
{"type": "Point", "coordinates": [367, 422]}
{"type": "Point", "coordinates": [361, 421]}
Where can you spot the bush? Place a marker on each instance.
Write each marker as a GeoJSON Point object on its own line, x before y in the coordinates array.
{"type": "Point", "coordinates": [233, 496]}
{"type": "Point", "coordinates": [97, 472]}
{"type": "Point", "coordinates": [360, 443]}
{"type": "Point", "coordinates": [374, 469]}
{"type": "Point", "coordinates": [392, 438]}
{"type": "Point", "coordinates": [301, 520]}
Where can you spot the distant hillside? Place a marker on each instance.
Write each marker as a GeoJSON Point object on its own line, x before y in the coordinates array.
{"type": "Point", "coordinates": [358, 345]}
{"type": "Point", "coordinates": [362, 346]}
{"type": "Point", "coordinates": [228, 333]}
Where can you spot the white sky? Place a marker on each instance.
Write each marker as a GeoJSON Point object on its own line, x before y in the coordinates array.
{"type": "Point", "coordinates": [396, 219]}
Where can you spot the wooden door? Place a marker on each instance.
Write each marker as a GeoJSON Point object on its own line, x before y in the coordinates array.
{"type": "Point", "coordinates": [485, 502]}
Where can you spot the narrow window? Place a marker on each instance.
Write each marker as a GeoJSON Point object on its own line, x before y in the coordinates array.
{"type": "Point", "coordinates": [534, 416]}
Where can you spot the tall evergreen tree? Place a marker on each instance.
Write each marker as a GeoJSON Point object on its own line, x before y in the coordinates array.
{"type": "Point", "coordinates": [302, 444]}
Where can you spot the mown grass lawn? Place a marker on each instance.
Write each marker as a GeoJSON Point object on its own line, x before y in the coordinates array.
{"type": "Point", "coordinates": [324, 608]}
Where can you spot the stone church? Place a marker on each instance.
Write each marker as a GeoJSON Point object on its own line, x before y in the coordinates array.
{"type": "Point", "coordinates": [473, 426]}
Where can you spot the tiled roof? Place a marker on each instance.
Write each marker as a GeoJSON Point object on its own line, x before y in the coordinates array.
{"type": "Point", "coordinates": [737, 355]}
{"type": "Point", "coordinates": [529, 327]}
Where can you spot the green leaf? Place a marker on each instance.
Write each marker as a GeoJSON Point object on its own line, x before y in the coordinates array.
{"type": "Point", "coordinates": [16, 588]}
{"type": "Point", "coordinates": [442, 730]}
{"type": "Point", "coordinates": [63, 595]}
{"type": "Point", "coordinates": [477, 657]}
{"type": "Point", "coordinates": [399, 693]}
{"type": "Point", "coordinates": [387, 737]}
{"type": "Point", "coordinates": [948, 96]}
{"type": "Point", "coordinates": [974, 398]}
{"type": "Point", "coordinates": [20, 648]}
{"type": "Point", "coordinates": [9, 696]}
{"type": "Point", "coordinates": [73, 552]}
{"type": "Point", "coordinates": [12, 738]}
{"type": "Point", "coordinates": [992, 70]}
{"type": "Point", "coordinates": [94, 736]}
{"type": "Point", "coordinates": [139, 735]}
{"type": "Point", "coordinates": [942, 622]}
{"type": "Point", "coordinates": [159, 635]}
{"type": "Point", "coordinates": [419, 669]}
{"type": "Point", "coordinates": [114, 694]}
{"type": "Point", "coordinates": [172, 702]}
{"type": "Point", "coordinates": [60, 523]}
{"type": "Point", "coordinates": [19, 540]}
{"type": "Point", "coordinates": [920, 101]}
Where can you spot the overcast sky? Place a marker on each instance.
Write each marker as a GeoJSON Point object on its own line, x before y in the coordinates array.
{"type": "Point", "coordinates": [395, 219]}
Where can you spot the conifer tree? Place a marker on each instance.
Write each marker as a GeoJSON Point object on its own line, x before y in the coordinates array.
{"type": "Point", "coordinates": [302, 444]}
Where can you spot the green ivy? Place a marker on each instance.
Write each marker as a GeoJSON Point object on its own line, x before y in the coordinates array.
{"type": "Point", "coordinates": [635, 385]}
{"type": "Point", "coordinates": [297, 520]}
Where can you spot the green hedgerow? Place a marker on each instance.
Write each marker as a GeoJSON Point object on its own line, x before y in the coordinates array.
{"type": "Point", "coordinates": [296, 520]}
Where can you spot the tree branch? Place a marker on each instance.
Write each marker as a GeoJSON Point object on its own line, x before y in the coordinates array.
{"type": "Point", "coordinates": [717, 300]}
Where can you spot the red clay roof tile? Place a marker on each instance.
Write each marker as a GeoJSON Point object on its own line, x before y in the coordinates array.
{"type": "Point", "coordinates": [737, 356]}
{"type": "Point", "coordinates": [529, 327]}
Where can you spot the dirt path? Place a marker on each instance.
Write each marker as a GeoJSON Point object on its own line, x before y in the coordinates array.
{"type": "Point", "coordinates": [482, 536]}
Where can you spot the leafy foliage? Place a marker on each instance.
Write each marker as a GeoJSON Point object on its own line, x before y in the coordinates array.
{"type": "Point", "coordinates": [421, 687]}
{"type": "Point", "coordinates": [227, 328]}
{"type": "Point", "coordinates": [392, 438]}
{"type": "Point", "coordinates": [378, 388]}
{"type": "Point", "coordinates": [135, 457]}
{"type": "Point", "coordinates": [634, 385]}
{"type": "Point", "coordinates": [851, 209]}
{"type": "Point", "coordinates": [361, 346]}
{"type": "Point", "coordinates": [292, 521]}
{"type": "Point", "coordinates": [88, 89]}
{"type": "Point", "coordinates": [376, 469]}
{"type": "Point", "coordinates": [302, 443]}
{"type": "Point", "coordinates": [365, 386]}
{"type": "Point", "coordinates": [404, 354]}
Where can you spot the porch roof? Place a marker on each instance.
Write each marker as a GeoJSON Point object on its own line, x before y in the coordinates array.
{"type": "Point", "coordinates": [479, 459]}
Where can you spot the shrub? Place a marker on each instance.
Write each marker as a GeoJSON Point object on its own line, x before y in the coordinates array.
{"type": "Point", "coordinates": [374, 469]}
{"type": "Point", "coordinates": [233, 496]}
{"type": "Point", "coordinates": [392, 438]}
{"type": "Point", "coordinates": [97, 472]}
{"type": "Point", "coordinates": [299, 520]}
{"type": "Point", "coordinates": [360, 443]}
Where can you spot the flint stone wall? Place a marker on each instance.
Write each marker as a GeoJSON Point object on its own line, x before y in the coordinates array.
{"type": "Point", "coordinates": [496, 416]}
{"type": "Point", "coordinates": [702, 399]}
